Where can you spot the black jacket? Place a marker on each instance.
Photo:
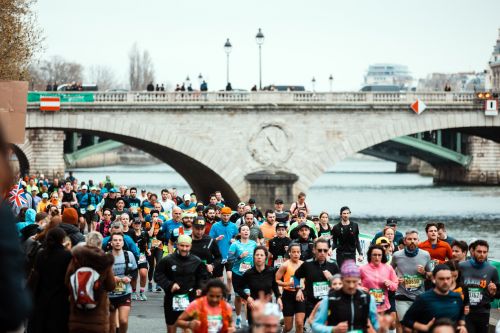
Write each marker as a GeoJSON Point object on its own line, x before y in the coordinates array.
{"type": "Point", "coordinates": [277, 246]}
{"type": "Point", "coordinates": [345, 238]}
{"type": "Point", "coordinates": [259, 281]}
{"type": "Point", "coordinates": [207, 250]}
{"type": "Point", "coordinates": [14, 303]}
{"type": "Point", "coordinates": [73, 233]}
{"type": "Point", "coordinates": [188, 272]}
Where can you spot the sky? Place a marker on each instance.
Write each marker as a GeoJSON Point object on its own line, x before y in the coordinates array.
{"type": "Point", "coordinates": [303, 39]}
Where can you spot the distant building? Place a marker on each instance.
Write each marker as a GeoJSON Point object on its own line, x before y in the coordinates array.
{"type": "Point", "coordinates": [388, 74]}
{"type": "Point", "coordinates": [464, 81]}
{"type": "Point", "coordinates": [494, 63]}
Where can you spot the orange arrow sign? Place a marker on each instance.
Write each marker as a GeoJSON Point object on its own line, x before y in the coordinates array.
{"type": "Point", "coordinates": [418, 106]}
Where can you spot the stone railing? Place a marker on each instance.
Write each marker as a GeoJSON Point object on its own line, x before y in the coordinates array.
{"type": "Point", "coordinates": [264, 97]}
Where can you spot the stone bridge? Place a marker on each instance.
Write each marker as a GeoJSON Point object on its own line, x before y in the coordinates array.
{"type": "Point", "coordinates": [265, 144]}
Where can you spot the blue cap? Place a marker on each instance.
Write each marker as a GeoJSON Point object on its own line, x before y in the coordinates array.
{"type": "Point", "coordinates": [113, 190]}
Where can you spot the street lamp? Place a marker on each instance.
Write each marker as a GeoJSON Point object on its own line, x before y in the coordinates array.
{"type": "Point", "coordinates": [330, 79]}
{"type": "Point", "coordinates": [259, 38]}
{"type": "Point", "coordinates": [227, 48]}
{"type": "Point", "coordinates": [313, 83]}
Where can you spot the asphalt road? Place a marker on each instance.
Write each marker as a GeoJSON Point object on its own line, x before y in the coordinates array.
{"type": "Point", "coordinates": [147, 316]}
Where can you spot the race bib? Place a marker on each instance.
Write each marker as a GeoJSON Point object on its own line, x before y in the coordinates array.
{"type": "Point", "coordinates": [214, 323]}
{"type": "Point", "coordinates": [320, 289]}
{"type": "Point", "coordinates": [244, 266]}
{"type": "Point", "coordinates": [412, 282]}
{"type": "Point", "coordinates": [133, 210]}
{"type": "Point", "coordinates": [180, 302]}
{"type": "Point", "coordinates": [379, 295]}
{"type": "Point", "coordinates": [155, 243]}
{"type": "Point", "coordinates": [278, 262]}
{"type": "Point", "coordinates": [355, 331]}
{"type": "Point", "coordinates": [82, 211]}
{"type": "Point", "coordinates": [119, 288]}
{"type": "Point", "coordinates": [142, 258]}
{"type": "Point", "coordinates": [325, 235]}
{"type": "Point", "coordinates": [475, 296]}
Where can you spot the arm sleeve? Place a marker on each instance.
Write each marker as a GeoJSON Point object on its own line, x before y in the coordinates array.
{"type": "Point", "coordinates": [161, 277]}
{"type": "Point", "coordinates": [372, 315]}
{"type": "Point", "coordinates": [319, 322]}
{"type": "Point", "coordinates": [394, 279]}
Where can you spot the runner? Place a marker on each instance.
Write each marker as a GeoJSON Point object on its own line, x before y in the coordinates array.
{"type": "Point", "coordinates": [278, 246]}
{"type": "Point", "coordinates": [481, 280]}
{"type": "Point", "coordinates": [209, 313]}
{"type": "Point", "coordinates": [436, 303]}
{"type": "Point", "coordinates": [268, 227]}
{"type": "Point", "coordinates": [205, 247]}
{"type": "Point", "coordinates": [180, 275]}
{"type": "Point", "coordinates": [459, 250]}
{"type": "Point", "coordinates": [210, 217]}
{"type": "Point", "coordinates": [134, 204]}
{"type": "Point", "coordinates": [240, 255]}
{"type": "Point", "coordinates": [345, 238]}
{"type": "Point", "coordinates": [305, 242]}
{"type": "Point", "coordinates": [124, 269]}
{"type": "Point", "coordinates": [443, 234]}
{"type": "Point", "coordinates": [255, 232]}
{"type": "Point", "coordinates": [185, 229]}
{"type": "Point", "coordinates": [240, 211]}
{"type": "Point", "coordinates": [260, 281]}
{"type": "Point", "coordinates": [281, 215]}
{"type": "Point", "coordinates": [439, 250]}
{"type": "Point", "coordinates": [293, 232]}
{"type": "Point", "coordinates": [156, 249]}
{"type": "Point", "coordinates": [398, 236]}
{"type": "Point", "coordinates": [141, 238]}
{"type": "Point", "coordinates": [300, 205]}
{"type": "Point", "coordinates": [316, 273]}
{"type": "Point", "coordinates": [285, 279]}
{"type": "Point", "coordinates": [325, 229]}
{"type": "Point", "coordinates": [348, 309]}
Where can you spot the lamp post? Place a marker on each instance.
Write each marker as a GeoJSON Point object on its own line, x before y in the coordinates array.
{"type": "Point", "coordinates": [313, 81]}
{"type": "Point", "coordinates": [259, 38]}
{"type": "Point", "coordinates": [330, 79]}
{"type": "Point", "coordinates": [227, 48]}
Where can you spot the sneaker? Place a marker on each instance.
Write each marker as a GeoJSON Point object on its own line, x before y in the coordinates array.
{"type": "Point", "coordinates": [238, 322]}
{"type": "Point", "coordinates": [142, 297]}
{"type": "Point", "coordinates": [158, 289]}
{"type": "Point", "coordinates": [134, 296]}
{"type": "Point", "coordinates": [228, 298]}
{"type": "Point", "coordinates": [150, 287]}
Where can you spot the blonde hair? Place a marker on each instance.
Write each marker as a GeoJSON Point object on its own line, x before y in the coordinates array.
{"type": "Point", "coordinates": [94, 239]}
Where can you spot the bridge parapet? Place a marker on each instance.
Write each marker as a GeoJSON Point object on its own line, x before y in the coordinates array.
{"type": "Point", "coordinates": [266, 97]}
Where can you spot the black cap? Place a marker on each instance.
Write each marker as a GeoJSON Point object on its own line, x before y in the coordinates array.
{"type": "Point", "coordinates": [143, 190]}
{"type": "Point", "coordinates": [251, 201]}
{"type": "Point", "coordinates": [302, 225]}
{"type": "Point", "coordinates": [315, 218]}
{"type": "Point", "coordinates": [278, 201]}
{"type": "Point", "coordinates": [281, 225]}
{"type": "Point", "coordinates": [199, 208]}
{"type": "Point", "coordinates": [199, 222]}
{"type": "Point", "coordinates": [392, 221]}
{"type": "Point", "coordinates": [301, 214]}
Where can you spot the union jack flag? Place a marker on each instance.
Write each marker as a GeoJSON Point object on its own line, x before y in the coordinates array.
{"type": "Point", "coordinates": [17, 195]}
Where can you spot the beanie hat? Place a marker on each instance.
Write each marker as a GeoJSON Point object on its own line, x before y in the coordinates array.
{"type": "Point", "coordinates": [70, 216]}
{"type": "Point", "coordinates": [184, 239]}
{"type": "Point", "coordinates": [350, 269]}
{"type": "Point", "coordinates": [226, 210]}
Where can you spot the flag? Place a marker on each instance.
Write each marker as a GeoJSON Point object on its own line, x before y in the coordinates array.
{"type": "Point", "coordinates": [50, 103]}
{"type": "Point", "coordinates": [17, 196]}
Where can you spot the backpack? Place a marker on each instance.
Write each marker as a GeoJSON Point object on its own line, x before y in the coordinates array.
{"type": "Point", "coordinates": [84, 282]}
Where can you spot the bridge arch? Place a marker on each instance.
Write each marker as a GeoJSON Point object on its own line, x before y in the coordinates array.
{"type": "Point", "coordinates": [201, 178]}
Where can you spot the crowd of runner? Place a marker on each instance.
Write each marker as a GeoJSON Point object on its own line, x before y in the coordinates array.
{"type": "Point", "coordinates": [93, 250]}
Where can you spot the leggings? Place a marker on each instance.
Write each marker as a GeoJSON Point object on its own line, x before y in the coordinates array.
{"type": "Point", "coordinates": [153, 259]}
{"type": "Point", "coordinates": [477, 322]}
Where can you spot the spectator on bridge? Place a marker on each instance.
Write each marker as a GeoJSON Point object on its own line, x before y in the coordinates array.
{"type": "Point", "coordinates": [190, 87]}
{"type": "Point", "coordinates": [229, 87]}
{"type": "Point", "coordinates": [204, 86]}
{"type": "Point", "coordinates": [150, 87]}
{"type": "Point", "coordinates": [162, 88]}
{"type": "Point", "coordinates": [254, 88]}
{"type": "Point", "coordinates": [157, 87]}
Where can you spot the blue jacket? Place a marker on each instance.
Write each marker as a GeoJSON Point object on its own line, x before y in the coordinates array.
{"type": "Point", "coordinates": [131, 246]}
{"type": "Point", "coordinates": [29, 219]}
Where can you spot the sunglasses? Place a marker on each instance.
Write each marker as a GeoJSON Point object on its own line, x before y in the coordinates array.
{"type": "Point", "coordinates": [322, 250]}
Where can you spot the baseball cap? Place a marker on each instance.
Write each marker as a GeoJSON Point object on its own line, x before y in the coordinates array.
{"type": "Point", "coordinates": [382, 240]}
{"type": "Point", "coordinates": [136, 222]}
{"type": "Point", "coordinates": [93, 188]}
{"type": "Point", "coordinates": [45, 196]}
{"type": "Point", "coordinates": [302, 225]}
{"type": "Point", "coordinates": [113, 190]}
{"type": "Point", "coordinates": [281, 225]}
{"type": "Point", "coordinates": [392, 221]}
{"type": "Point", "coordinates": [242, 204]}
{"type": "Point", "coordinates": [186, 197]}
{"type": "Point", "coordinates": [184, 239]}
{"type": "Point", "coordinates": [199, 222]}
{"type": "Point", "coordinates": [315, 218]}
{"type": "Point", "coordinates": [251, 201]}
{"type": "Point", "coordinates": [226, 210]}
{"type": "Point", "coordinates": [143, 190]}
{"type": "Point", "coordinates": [278, 201]}
{"type": "Point", "coordinates": [84, 187]}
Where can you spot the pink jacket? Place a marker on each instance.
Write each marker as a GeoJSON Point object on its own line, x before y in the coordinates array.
{"type": "Point", "coordinates": [373, 278]}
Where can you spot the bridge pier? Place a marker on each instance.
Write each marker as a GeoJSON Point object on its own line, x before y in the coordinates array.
{"type": "Point", "coordinates": [47, 152]}
{"type": "Point", "coordinates": [484, 168]}
{"type": "Point", "coordinates": [266, 186]}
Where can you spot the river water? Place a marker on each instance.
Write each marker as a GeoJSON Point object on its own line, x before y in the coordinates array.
{"type": "Point", "coordinates": [371, 189]}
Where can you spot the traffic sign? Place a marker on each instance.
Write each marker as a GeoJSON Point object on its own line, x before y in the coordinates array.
{"type": "Point", "coordinates": [491, 107]}
{"type": "Point", "coordinates": [418, 106]}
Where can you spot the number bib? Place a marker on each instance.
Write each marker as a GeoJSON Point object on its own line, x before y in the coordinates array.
{"type": "Point", "coordinates": [155, 243]}
{"type": "Point", "coordinates": [412, 282]}
{"type": "Point", "coordinates": [83, 211]}
{"type": "Point", "coordinates": [320, 289]}
{"type": "Point", "coordinates": [180, 302]}
{"type": "Point", "coordinates": [475, 296]}
{"type": "Point", "coordinates": [214, 323]}
{"type": "Point", "coordinates": [142, 258]}
{"type": "Point", "coordinates": [119, 288]}
{"type": "Point", "coordinates": [379, 295]}
{"type": "Point", "coordinates": [278, 262]}
{"type": "Point", "coordinates": [244, 266]}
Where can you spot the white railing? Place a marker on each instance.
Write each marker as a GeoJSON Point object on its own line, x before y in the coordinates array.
{"type": "Point", "coordinates": [263, 97]}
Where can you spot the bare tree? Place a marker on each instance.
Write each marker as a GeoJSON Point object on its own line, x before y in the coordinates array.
{"type": "Point", "coordinates": [20, 38]}
{"type": "Point", "coordinates": [141, 69]}
{"type": "Point", "coordinates": [103, 76]}
{"type": "Point", "coordinates": [56, 69]}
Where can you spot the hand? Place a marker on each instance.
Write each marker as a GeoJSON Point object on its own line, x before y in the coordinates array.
{"type": "Point", "coordinates": [250, 302]}
{"type": "Point", "coordinates": [461, 329]}
{"type": "Point", "coordinates": [126, 279]}
{"type": "Point", "coordinates": [194, 324]}
{"type": "Point", "coordinates": [221, 237]}
{"type": "Point", "coordinates": [244, 254]}
{"type": "Point", "coordinates": [327, 275]}
{"type": "Point", "coordinates": [198, 292]}
{"type": "Point", "coordinates": [210, 268]}
{"type": "Point", "coordinates": [429, 324]}
{"type": "Point", "coordinates": [341, 327]}
{"type": "Point", "coordinates": [360, 258]}
{"type": "Point", "coordinates": [385, 322]}
{"type": "Point", "coordinates": [233, 240]}
{"type": "Point", "coordinates": [300, 296]}
{"type": "Point", "coordinates": [421, 269]}
{"type": "Point", "coordinates": [492, 288]}
{"type": "Point", "coordinates": [401, 280]}
{"type": "Point", "coordinates": [118, 279]}
{"type": "Point", "coordinates": [466, 310]}
{"type": "Point", "coordinates": [175, 287]}
{"type": "Point", "coordinates": [280, 303]}
{"type": "Point", "coordinates": [148, 252]}
{"type": "Point", "coordinates": [387, 283]}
